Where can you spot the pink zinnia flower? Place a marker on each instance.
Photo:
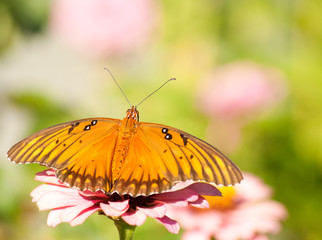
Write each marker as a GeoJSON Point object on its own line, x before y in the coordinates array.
{"type": "Point", "coordinates": [235, 93]}
{"type": "Point", "coordinates": [245, 212]}
{"type": "Point", "coordinates": [104, 27]}
{"type": "Point", "coordinates": [74, 207]}
{"type": "Point", "coordinates": [240, 89]}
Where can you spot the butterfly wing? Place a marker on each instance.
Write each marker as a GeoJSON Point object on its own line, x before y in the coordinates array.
{"type": "Point", "coordinates": [81, 151]}
{"type": "Point", "coordinates": [141, 173]}
{"type": "Point", "coordinates": [158, 156]}
{"type": "Point", "coordinates": [178, 156]}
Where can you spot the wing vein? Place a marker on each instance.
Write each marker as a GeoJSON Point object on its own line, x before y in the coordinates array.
{"type": "Point", "coordinates": [207, 162]}
{"type": "Point", "coordinates": [34, 147]}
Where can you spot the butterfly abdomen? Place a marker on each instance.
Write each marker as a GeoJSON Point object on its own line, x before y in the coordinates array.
{"type": "Point", "coordinates": [126, 131]}
{"type": "Point", "coordinates": [121, 151]}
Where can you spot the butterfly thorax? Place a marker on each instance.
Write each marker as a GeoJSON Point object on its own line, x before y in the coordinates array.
{"type": "Point", "coordinates": [125, 135]}
{"type": "Point", "coordinates": [129, 123]}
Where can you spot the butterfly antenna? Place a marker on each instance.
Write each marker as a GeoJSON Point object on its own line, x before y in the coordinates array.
{"type": "Point", "coordinates": [155, 91]}
{"type": "Point", "coordinates": [118, 85]}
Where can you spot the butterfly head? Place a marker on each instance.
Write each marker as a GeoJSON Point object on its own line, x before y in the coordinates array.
{"type": "Point", "coordinates": [132, 113]}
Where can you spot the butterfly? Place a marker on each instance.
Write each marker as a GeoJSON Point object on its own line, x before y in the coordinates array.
{"type": "Point", "coordinates": [124, 156]}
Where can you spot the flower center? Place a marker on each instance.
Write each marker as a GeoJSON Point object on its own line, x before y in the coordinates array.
{"type": "Point", "coordinates": [226, 202]}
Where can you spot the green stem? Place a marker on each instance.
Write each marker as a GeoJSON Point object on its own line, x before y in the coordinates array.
{"type": "Point", "coordinates": [126, 231]}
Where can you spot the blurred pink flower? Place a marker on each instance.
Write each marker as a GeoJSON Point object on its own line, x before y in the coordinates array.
{"type": "Point", "coordinates": [244, 212]}
{"type": "Point", "coordinates": [74, 207]}
{"type": "Point", "coordinates": [240, 89]}
{"type": "Point", "coordinates": [235, 93]}
{"type": "Point", "coordinates": [104, 27]}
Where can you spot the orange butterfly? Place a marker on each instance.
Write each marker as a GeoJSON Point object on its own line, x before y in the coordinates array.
{"type": "Point", "coordinates": [124, 156]}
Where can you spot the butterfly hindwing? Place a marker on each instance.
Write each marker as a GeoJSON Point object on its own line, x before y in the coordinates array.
{"type": "Point", "coordinates": [142, 174]}
{"type": "Point", "coordinates": [90, 168]}
{"type": "Point", "coordinates": [183, 156]}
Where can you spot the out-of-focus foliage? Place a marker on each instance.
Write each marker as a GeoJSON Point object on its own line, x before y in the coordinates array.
{"type": "Point", "coordinates": [44, 82]}
{"type": "Point", "coordinates": [26, 17]}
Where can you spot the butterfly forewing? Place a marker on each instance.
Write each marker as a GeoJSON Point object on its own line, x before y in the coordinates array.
{"type": "Point", "coordinates": [80, 151]}
{"type": "Point", "coordinates": [187, 157]}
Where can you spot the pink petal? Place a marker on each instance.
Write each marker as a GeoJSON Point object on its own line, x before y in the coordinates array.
{"type": "Point", "coordinates": [46, 188]}
{"type": "Point", "coordinates": [115, 209]}
{"type": "Point", "coordinates": [134, 217]}
{"type": "Point", "coordinates": [205, 221]}
{"type": "Point", "coordinates": [158, 211]}
{"type": "Point", "coordinates": [195, 235]}
{"type": "Point", "coordinates": [260, 237]}
{"type": "Point", "coordinates": [181, 185]}
{"type": "Point", "coordinates": [175, 203]}
{"type": "Point", "coordinates": [170, 224]}
{"type": "Point", "coordinates": [180, 195]}
{"type": "Point", "coordinates": [189, 193]}
{"type": "Point", "coordinates": [205, 189]}
{"type": "Point", "coordinates": [90, 194]}
{"type": "Point", "coordinates": [260, 190]}
{"type": "Point", "coordinates": [43, 189]}
{"type": "Point", "coordinates": [124, 205]}
{"type": "Point", "coordinates": [200, 203]}
{"type": "Point", "coordinates": [37, 193]}
{"type": "Point", "coordinates": [68, 214]}
{"type": "Point", "coordinates": [48, 176]}
{"type": "Point", "coordinates": [46, 172]}
{"type": "Point", "coordinates": [57, 197]}
{"type": "Point", "coordinates": [83, 216]}
{"type": "Point", "coordinates": [54, 218]}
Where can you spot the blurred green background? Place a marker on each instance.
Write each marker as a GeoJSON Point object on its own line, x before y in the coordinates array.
{"type": "Point", "coordinates": [44, 81]}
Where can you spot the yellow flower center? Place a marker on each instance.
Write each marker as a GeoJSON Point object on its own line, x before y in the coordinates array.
{"type": "Point", "coordinates": [225, 202]}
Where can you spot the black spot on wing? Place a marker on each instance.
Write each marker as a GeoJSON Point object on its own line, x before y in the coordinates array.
{"type": "Point", "coordinates": [184, 138]}
{"type": "Point", "coordinates": [168, 136]}
{"type": "Point", "coordinates": [73, 125]}
{"type": "Point", "coordinates": [87, 127]}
